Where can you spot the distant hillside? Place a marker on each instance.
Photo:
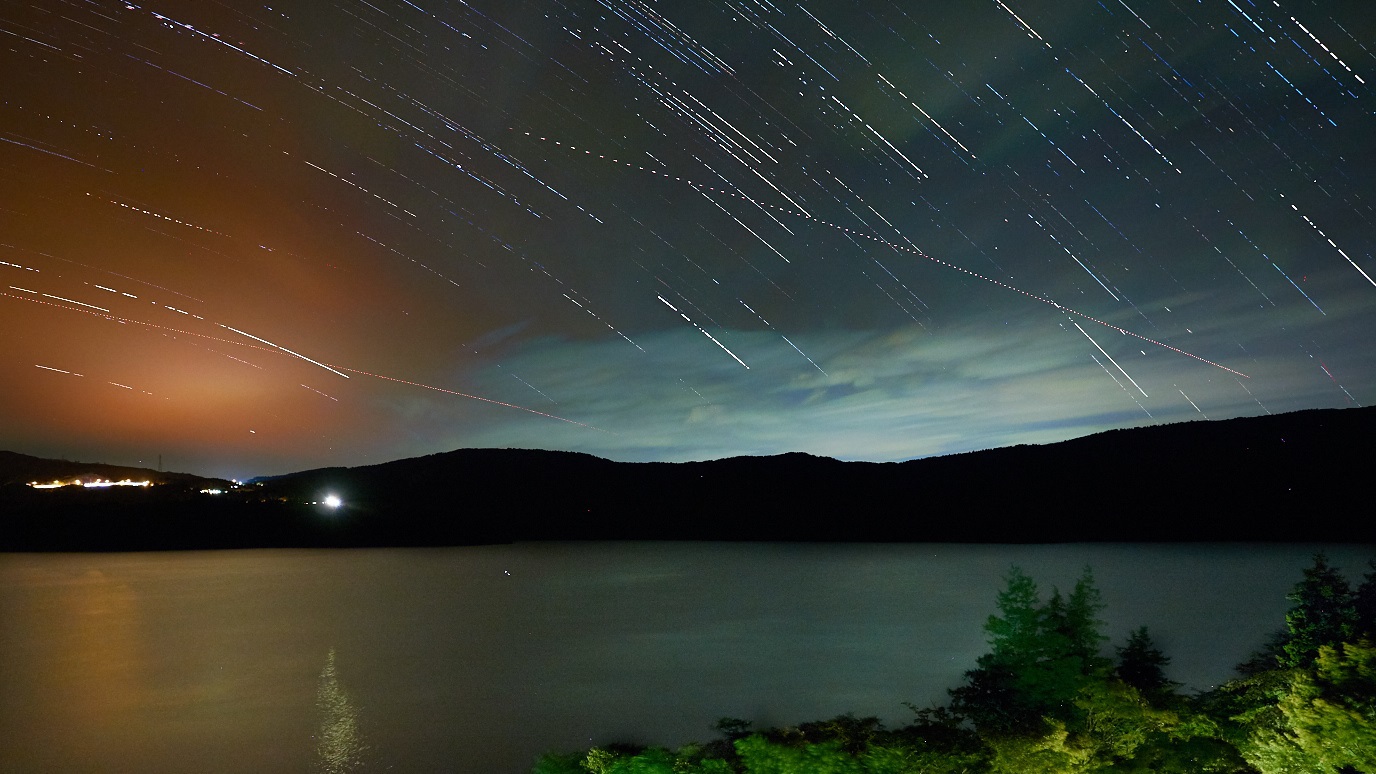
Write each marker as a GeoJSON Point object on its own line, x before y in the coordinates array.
{"type": "Point", "coordinates": [22, 468]}
{"type": "Point", "coordinates": [1290, 477]}
{"type": "Point", "coordinates": [1221, 480]}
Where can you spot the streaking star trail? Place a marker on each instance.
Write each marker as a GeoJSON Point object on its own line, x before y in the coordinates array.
{"type": "Point", "coordinates": [692, 229]}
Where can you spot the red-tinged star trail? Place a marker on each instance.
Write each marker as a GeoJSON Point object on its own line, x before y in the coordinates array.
{"type": "Point", "coordinates": [675, 230]}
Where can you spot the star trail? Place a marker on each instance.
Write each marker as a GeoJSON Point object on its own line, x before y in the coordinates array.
{"type": "Point", "coordinates": [258, 238]}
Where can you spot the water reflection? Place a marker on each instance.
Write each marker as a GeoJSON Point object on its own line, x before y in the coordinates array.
{"type": "Point", "coordinates": [476, 660]}
{"type": "Point", "coordinates": [92, 627]}
{"type": "Point", "coordinates": [339, 746]}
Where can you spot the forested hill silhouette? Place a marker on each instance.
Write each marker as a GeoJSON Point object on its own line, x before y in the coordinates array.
{"type": "Point", "coordinates": [1287, 477]}
{"type": "Point", "coordinates": [1193, 481]}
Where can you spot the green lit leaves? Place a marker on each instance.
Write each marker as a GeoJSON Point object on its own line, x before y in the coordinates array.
{"type": "Point", "coordinates": [1332, 710]}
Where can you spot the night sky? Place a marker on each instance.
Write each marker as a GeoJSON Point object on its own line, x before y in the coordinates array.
{"type": "Point", "coordinates": [259, 238]}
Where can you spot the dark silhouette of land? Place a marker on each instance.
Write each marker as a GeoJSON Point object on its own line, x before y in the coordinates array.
{"type": "Point", "coordinates": [1298, 476]}
{"type": "Point", "coordinates": [22, 468]}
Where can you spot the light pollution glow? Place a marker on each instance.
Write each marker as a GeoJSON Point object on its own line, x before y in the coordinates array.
{"type": "Point", "coordinates": [310, 234]}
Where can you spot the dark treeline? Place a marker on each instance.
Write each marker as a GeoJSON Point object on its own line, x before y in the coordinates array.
{"type": "Point", "coordinates": [1046, 700]}
{"type": "Point", "coordinates": [1276, 464]}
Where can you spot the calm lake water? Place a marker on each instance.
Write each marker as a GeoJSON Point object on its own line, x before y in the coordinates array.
{"type": "Point", "coordinates": [474, 660]}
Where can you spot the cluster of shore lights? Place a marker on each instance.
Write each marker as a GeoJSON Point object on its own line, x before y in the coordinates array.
{"type": "Point", "coordinates": [220, 491]}
{"type": "Point", "coordinates": [97, 484]}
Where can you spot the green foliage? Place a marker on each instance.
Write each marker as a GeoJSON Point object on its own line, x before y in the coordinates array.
{"type": "Point", "coordinates": [849, 745]}
{"type": "Point", "coordinates": [1193, 744]}
{"type": "Point", "coordinates": [1324, 614]}
{"type": "Point", "coordinates": [852, 733]}
{"type": "Point", "coordinates": [1269, 743]}
{"type": "Point", "coordinates": [1052, 751]}
{"type": "Point", "coordinates": [900, 758]}
{"type": "Point", "coordinates": [991, 698]}
{"type": "Point", "coordinates": [1247, 703]}
{"type": "Point", "coordinates": [1043, 700]}
{"type": "Point", "coordinates": [655, 760]}
{"type": "Point", "coordinates": [1014, 632]}
{"type": "Point", "coordinates": [599, 761]}
{"type": "Point", "coordinates": [761, 756]}
{"type": "Point", "coordinates": [620, 759]}
{"type": "Point", "coordinates": [1117, 720]}
{"type": "Point", "coordinates": [1307, 704]}
{"type": "Point", "coordinates": [1081, 625]}
{"type": "Point", "coordinates": [1320, 720]}
{"type": "Point", "coordinates": [1332, 710]}
{"type": "Point", "coordinates": [892, 760]}
{"type": "Point", "coordinates": [1113, 725]}
{"type": "Point", "coordinates": [713, 766]}
{"type": "Point", "coordinates": [1041, 656]}
{"type": "Point", "coordinates": [1128, 733]}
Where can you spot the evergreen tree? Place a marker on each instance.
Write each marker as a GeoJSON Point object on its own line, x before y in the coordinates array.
{"type": "Point", "coordinates": [990, 698]}
{"type": "Point", "coordinates": [1041, 656]}
{"type": "Point", "coordinates": [1142, 665]}
{"type": "Point", "coordinates": [1307, 705]}
{"type": "Point", "coordinates": [990, 701]}
{"type": "Point", "coordinates": [1054, 670]}
{"type": "Point", "coordinates": [1013, 634]}
{"type": "Point", "coordinates": [1082, 624]}
{"type": "Point", "coordinates": [1324, 614]}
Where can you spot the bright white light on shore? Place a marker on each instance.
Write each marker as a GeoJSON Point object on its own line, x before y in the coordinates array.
{"type": "Point", "coordinates": [332, 501]}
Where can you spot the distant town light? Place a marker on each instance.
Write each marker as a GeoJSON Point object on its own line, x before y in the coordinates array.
{"type": "Point", "coordinates": [332, 501]}
{"type": "Point", "coordinates": [124, 482]}
{"type": "Point", "coordinates": [96, 484]}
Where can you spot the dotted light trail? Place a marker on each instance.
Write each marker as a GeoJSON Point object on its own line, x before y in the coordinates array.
{"type": "Point", "coordinates": [274, 348]}
{"type": "Point", "coordinates": [500, 196]}
{"type": "Point", "coordinates": [470, 397]}
{"type": "Point", "coordinates": [921, 254]}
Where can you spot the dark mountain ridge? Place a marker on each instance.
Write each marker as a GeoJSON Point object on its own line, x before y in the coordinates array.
{"type": "Point", "coordinates": [18, 468]}
{"type": "Point", "coordinates": [1287, 477]}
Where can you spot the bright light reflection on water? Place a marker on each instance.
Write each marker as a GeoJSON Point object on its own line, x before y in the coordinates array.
{"type": "Point", "coordinates": [476, 659]}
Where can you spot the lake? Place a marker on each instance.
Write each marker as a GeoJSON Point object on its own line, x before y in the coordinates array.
{"type": "Point", "coordinates": [474, 660]}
